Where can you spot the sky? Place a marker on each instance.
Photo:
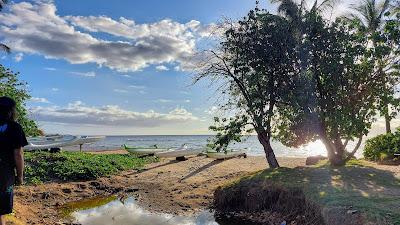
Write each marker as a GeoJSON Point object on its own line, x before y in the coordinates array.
{"type": "Point", "coordinates": [115, 68]}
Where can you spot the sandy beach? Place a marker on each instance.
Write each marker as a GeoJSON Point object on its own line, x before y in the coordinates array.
{"type": "Point", "coordinates": [167, 186]}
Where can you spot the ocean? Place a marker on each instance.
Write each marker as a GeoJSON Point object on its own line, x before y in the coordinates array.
{"type": "Point", "coordinates": [199, 141]}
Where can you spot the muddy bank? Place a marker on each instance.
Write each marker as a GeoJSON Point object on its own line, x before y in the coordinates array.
{"type": "Point", "coordinates": [168, 186]}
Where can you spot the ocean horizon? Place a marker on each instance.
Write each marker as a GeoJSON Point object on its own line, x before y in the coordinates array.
{"type": "Point", "coordinates": [251, 143]}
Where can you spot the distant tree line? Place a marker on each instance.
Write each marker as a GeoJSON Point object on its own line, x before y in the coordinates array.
{"type": "Point", "coordinates": [297, 76]}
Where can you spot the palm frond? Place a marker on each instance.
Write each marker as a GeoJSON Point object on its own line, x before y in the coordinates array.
{"type": "Point", "coordinates": [371, 13]}
{"type": "Point", "coordinates": [327, 4]}
{"type": "Point", "coordinates": [5, 48]}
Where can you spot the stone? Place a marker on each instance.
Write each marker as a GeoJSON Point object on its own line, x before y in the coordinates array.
{"type": "Point", "coordinates": [313, 160]}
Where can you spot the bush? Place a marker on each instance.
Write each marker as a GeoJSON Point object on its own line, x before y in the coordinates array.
{"type": "Point", "coordinates": [383, 147]}
{"type": "Point", "coordinates": [77, 166]}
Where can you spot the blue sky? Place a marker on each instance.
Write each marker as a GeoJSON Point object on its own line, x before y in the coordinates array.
{"type": "Point", "coordinates": [120, 67]}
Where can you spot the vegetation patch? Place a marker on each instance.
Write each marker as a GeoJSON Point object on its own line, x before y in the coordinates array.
{"type": "Point", "coordinates": [78, 166]}
{"type": "Point", "coordinates": [354, 194]}
{"type": "Point", "coordinates": [383, 148]}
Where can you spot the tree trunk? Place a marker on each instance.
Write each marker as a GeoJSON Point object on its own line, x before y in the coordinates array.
{"type": "Point", "coordinates": [269, 152]}
{"type": "Point", "coordinates": [335, 155]}
{"type": "Point", "coordinates": [387, 121]}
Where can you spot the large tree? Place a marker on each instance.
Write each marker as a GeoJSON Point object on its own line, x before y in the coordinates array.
{"type": "Point", "coordinates": [340, 89]}
{"type": "Point", "coordinates": [256, 64]}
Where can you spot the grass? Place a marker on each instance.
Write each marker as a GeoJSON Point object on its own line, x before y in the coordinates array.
{"type": "Point", "coordinates": [366, 189]}
{"type": "Point", "coordinates": [78, 166]}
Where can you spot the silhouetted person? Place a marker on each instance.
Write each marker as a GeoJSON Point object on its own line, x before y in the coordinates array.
{"type": "Point", "coordinates": [12, 139]}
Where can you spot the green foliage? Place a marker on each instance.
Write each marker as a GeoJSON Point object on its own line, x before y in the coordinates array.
{"type": "Point", "coordinates": [77, 166]}
{"type": "Point", "coordinates": [255, 64]}
{"type": "Point", "coordinates": [383, 147]}
{"type": "Point", "coordinates": [12, 87]}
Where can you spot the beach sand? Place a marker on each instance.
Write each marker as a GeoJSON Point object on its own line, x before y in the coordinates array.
{"type": "Point", "coordinates": [167, 186]}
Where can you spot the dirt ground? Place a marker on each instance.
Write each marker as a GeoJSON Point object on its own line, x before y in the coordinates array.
{"type": "Point", "coordinates": [168, 186]}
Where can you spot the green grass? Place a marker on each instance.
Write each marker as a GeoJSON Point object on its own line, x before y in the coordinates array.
{"type": "Point", "coordinates": [369, 190]}
{"type": "Point", "coordinates": [78, 166]}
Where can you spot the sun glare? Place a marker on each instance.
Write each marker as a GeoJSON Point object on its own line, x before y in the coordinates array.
{"type": "Point", "coordinates": [316, 148]}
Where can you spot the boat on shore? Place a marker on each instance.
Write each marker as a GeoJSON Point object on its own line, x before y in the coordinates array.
{"type": "Point", "coordinates": [226, 154]}
{"type": "Point", "coordinates": [183, 151]}
{"type": "Point", "coordinates": [49, 142]}
{"type": "Point", "coordinates": [144, 150]}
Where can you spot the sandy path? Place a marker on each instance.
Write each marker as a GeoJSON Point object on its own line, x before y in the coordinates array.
{"type": "Point", "coordinates": [167, 186]}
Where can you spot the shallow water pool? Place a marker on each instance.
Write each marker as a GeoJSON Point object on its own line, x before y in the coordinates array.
{"type": "Point", "coordinates": [128, 212]}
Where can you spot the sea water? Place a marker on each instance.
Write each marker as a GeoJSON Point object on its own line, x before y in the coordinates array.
{"type": "Point", "coordinates": [200, 141]}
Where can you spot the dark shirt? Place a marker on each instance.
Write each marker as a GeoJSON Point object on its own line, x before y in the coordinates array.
{"type": "Point", "coordinates": [11, 137]}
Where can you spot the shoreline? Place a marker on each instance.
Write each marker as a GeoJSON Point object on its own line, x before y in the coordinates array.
{"type": "Point", "coordinates": [168, 186]}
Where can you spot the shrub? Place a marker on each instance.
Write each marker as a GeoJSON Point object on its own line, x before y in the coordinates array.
{"type": "Point", "coordinates": [77, 166]}
{"type": "Point", "coordinates": [383, 147]}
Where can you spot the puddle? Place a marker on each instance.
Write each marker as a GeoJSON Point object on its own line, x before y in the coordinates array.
{"type": "Point", "coordinates": [128, 212]}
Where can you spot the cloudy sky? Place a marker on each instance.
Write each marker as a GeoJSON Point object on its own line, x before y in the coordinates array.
{"type": "Point", "coordinates": [120, 67]}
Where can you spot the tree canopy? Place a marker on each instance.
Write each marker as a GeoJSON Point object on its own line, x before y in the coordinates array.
{"type": "Point", "coordinates": [12, 87]}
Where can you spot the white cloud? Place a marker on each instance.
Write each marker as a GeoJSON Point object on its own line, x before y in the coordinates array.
{"type": "Point", "coordinates": [126, 75]}
{"type": "Point", "coordinates": [187, 101]}
{"type": "Point", "coordinates": [162, 68]}
{"type": "Point", "coordinates": [137, 86]}
{"type": "Point", "coordinates": [84, 74]}
{"type": "Point", "coordinates": [36, 28]}
{"type": "Point", "coordinates": [212, 110]}
{"type": "Point", "coordinates": [39, 100]}
{"type": "Point", "coordinates": [55, 89]}
{"type": "Point", "coordinates": [50, 68]}
{"type": "Point", "coordinates": [163, 100]}
{"type": "Point", "coordinates": [18, 57]}
{"type": "Point", "coordinates": [120, 91]}
{"type": "Point", "coordinates": [79, 113]}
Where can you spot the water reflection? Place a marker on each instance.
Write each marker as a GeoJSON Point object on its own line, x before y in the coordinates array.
{"type": "Point", "coordinates": [129, 213]}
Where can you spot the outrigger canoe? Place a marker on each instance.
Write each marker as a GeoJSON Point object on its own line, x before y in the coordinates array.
{"type": "Point", "coordinates": [144, 150]}
{"type": "Point", "coordinates": [48, 142]}
{"type": "Point", "coordinates": [226, 154]}
{"type": "Point", "coordinates": [180, 152]}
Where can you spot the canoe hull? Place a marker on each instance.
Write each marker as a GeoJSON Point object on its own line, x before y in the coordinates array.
{"type": "Point", "coordinates": [179, 153]}
{"type": "Point", "coordinates": [225, 155]}
{"type": "Point", "coordinates": [45, 143]}
{"type": "Point", "coordinates": [144, 151]}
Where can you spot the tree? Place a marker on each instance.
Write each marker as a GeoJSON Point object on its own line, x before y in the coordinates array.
{"type": "Point", "coordinates": [255, 63]}
{"type": "Point", "coordinates": [10, 86]}
{"type": "Point", "coordinates": [370, 15]}
{"type": "Point", "coordinates": [3, 46]}
{"type": "Point", "coordinates": [340, 89]}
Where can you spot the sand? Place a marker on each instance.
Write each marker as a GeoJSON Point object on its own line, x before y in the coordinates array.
{"type": "Point", "coordinates": [167, 186]}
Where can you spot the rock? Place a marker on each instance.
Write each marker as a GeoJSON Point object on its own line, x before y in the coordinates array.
{"type": "Point", "coordinates": [67, 190]}
{"type": "Point", "coordinates": [313, 160]}
{"type": "Point", "coordinates": [130, 190]}
{"type": "Point", "coordinates": [82, 186]}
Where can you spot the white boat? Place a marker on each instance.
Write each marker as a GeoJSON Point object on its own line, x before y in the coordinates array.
{"type": "Point", "coordinates": [144, 150]}
{"type": "Point", "coordinates": [226, 155]}
{"type": "Point", "coordinates": [183, 151]}
{"type": "Point", "coordinates": [39, 143]}
{"type": "Point", "coordinates": [88, 139]}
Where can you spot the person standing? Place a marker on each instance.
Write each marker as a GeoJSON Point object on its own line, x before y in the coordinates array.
{"type": "Point", "coordinates": [12, 140]}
